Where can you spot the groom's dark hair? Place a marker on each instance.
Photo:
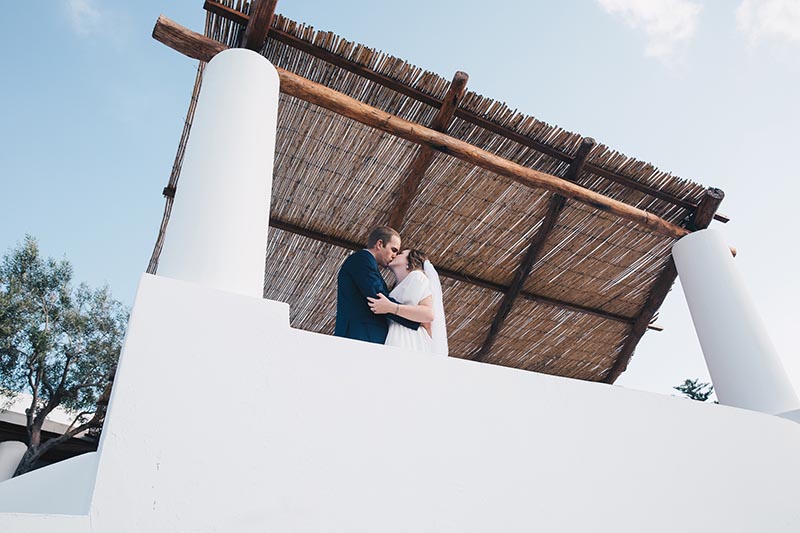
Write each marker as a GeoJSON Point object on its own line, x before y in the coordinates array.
{"type": "Point", "coordinates": [381, 233]}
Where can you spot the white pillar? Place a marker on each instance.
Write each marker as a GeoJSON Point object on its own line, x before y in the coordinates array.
{"type": "Point", "coordinates": [11, 452]}
{"type": "Point", "coordinates": [745, 369]}
{"type": "Point", "coordinates": [217, 234]}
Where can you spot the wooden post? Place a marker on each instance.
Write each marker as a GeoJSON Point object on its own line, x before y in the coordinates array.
{"type": "Point", "coordinates": [407, 189]}
{"type": "Point", "coordinates": [534, 251]}
{"type": "Point", "coordinates": [258, 24]}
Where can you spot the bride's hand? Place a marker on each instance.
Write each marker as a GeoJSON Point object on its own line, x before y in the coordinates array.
{"type": "Point", "coordinates": [381, 305]}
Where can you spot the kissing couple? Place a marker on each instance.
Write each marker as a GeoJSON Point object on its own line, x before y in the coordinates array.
{"type": "Point", "coordinates": [411, 316]}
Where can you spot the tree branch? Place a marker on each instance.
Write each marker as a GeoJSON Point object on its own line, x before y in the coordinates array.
{"type": "Point", "coordinates": [87, 385]}
{"type": "Point", "coordinates": [29, 416]}
{"type": "Point", "coordinates": [95, 421]}
{"type": "Point", "coordinates": [63, 380]}
{"type": "Point", "coordinates": [78, 417]}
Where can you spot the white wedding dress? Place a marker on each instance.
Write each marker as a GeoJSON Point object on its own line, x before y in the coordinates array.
{"type": "Point", "coordinates": [411, 291]}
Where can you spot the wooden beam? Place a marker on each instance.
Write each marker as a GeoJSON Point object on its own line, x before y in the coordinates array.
{"type": "Point", "coordinates": [317, 94]}
{"type": "Point", "coordinates": [407, 189]}
{"type": "Point", "coordinates": [321, 53]}
{"type": "Point", "coordinates": [534, 251]}
{"type": "Point", "coordinates": [226, 12]}
{"type": "Point", "coordinates": [258, 24]}
{"type": "Point", "coordinates": [452, 274]}
{"type": "Point", "coordinates": [705, 214]}
{"type": "Point", "coordinates": [185, 41]}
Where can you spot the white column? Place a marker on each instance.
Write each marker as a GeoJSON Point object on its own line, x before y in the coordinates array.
{"type": "Point", "coordinates": [745, 369]}
{"type": "Point", "coordinates": [217, 234]}
{"type": "Point", "coordinates": [11, 452]}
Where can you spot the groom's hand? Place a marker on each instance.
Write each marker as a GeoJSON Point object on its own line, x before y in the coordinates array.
{"type": "Point", "coordinates": [382, 305]}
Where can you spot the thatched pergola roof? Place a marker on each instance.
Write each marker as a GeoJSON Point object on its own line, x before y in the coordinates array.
{"type": "Point", "coordinates": [532, 278]}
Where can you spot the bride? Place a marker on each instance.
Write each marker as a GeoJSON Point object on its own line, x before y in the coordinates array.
{"type": "Point", "coordinates": [420, 295]}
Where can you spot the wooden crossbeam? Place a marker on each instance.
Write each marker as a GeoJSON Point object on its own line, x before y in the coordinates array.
{"type": "Point", "coordinates": [468, 116]}
{"type": "Point", "coordinates": [407, 189]}
{"type": "Point", "coordinates": [534, 251]}
{"type": "Point", "coordinates": [452, 274]}
{"type": "Point", "coordinates": [185, 41]}
{"type": "Point", "coordinates": [703, 217]}
{"type": "Point", "coordinates": [200, 47]}
{"type": "Point", "coordinates": [258, 24]}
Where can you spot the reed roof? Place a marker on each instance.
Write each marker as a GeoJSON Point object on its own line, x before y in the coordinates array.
{"type": "Point", "coordinates": [591, 284]}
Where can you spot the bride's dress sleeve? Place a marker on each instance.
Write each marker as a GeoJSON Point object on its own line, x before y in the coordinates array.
{"type": "Point", "coordinates": [422, 287]}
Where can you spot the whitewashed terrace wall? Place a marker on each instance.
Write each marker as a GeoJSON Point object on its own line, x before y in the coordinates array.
{"type": "Point", "coordinates": [223, 418]}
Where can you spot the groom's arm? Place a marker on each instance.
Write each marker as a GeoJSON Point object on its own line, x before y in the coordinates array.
{"type": "Point", "coordinates": [400, 320]}
{"type": "Point", "coordinates": [370, 283]}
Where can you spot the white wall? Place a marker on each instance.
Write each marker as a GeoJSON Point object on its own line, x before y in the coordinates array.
{"type": "Point", "coordinates": [328, 434]}
{"type": "Point", "coordinates": [64, 488]}
{"type": "Point", "coordinates": [11, 453]}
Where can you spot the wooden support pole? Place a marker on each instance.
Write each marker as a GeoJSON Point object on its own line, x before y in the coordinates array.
{"type": "Point", "coordinates": [240, 18]}
{"type": "Point", "coordinates": [407, 189]}
{"type": "Point", "coordinates": [705, 214]}
{"type": "Point", "coordinates": [535, 248]}
{"type": "Point", "coordinates": [258, 24]}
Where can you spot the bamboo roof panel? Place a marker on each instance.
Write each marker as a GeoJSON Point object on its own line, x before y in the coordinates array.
{"type": "Point", "coordinates": [313, 303]}
{"type": "Point", "coordinates": [468, 309]}
{"type": "Point", "coordinates": [335, 178]}
{"type": "Point", "coordinates": [346, 177]}
{"type": "Point", "coordinates": [472, 221]}
{"type": "Point", "coordinates": [543, 338]}
{"type": "Point", "coordinates": [607, 266]}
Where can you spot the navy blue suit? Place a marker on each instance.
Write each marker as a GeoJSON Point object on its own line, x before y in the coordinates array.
{"type": "Point", "coordinates": [359, 278]}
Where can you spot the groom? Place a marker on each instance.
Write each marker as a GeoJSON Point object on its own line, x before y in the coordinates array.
{"type": "Point", "coordinates": [359, 278]}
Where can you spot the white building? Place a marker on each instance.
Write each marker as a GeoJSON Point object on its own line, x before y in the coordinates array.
{"type": "Point", "coordinates": [331, 434]}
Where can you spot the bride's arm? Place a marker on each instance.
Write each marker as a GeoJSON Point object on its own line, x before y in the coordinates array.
{"type": "Point", "coordinates": [428, 328]}
{"type": "Point", "coordinates": [422, 312]}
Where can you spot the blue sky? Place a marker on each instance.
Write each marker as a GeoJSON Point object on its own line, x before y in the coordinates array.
{"type": "Point", "coordinates": [93, 108]}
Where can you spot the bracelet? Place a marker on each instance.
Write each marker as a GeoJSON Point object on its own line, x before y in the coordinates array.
{"type": "Point", "coordinates": [396, 311]}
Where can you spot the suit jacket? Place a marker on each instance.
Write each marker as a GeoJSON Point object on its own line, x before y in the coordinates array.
{"type": "Point", "coordinates": [359, 278]}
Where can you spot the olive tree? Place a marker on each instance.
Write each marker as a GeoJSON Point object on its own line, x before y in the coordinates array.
{"type": "Point", "coordinates": [694, 389]}
{"type": "Point", "coordinates": [58, 343]}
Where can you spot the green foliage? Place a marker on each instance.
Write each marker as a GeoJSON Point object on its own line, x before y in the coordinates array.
{"type": "Point", "coordinates": [57, 342]}
{"type": "Point", "coordinates": [695, 390]}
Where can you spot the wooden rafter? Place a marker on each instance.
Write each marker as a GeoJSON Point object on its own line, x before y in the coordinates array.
{"type": "Point", "coordinates": [370, 74]}
{"type": "Point", "coordinates": [452, 274]}
{"type": "Point", "coordinates": [258, 24]}
{"type": "Point", "coordinates": [201, 47]}
{"type": "Point", "coordinates": [701, 220]}
{"type": "Point", "coordinates": [534, 251]}
{"type": "Point", "coordinates": [407, 188]}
